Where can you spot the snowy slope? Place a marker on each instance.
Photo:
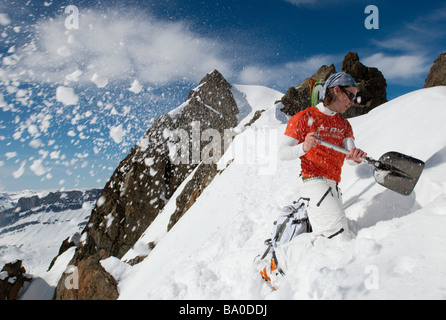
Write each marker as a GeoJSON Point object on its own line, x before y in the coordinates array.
{"type": "Point", "coordinates": [36, 239]}
{"type": "Point", "coordinates": [399, 249]}
{"type": "Point", "coordinates": [5, 202]}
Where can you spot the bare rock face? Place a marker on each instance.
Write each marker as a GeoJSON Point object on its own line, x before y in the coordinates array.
{"type": "Point", "coordinates": [153, 170]}
{"type": "Point", "coordinates": [12, 278]}
{"type": "Point", "coordinates": [437, 73]}
{"type": "Point", "coordinates": [371, 87]}
{"type": "Point", "coordinates": [89, 281]}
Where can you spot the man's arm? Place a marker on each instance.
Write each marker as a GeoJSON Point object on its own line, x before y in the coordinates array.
{"type": "Point", "coordinates": [291, 149]}
{"type": "Point", "coordinates": [356, 154]}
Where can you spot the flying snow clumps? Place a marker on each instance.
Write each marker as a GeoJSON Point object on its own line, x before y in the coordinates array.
{"type": "Point", "coordinates": [38, 168]}
{"type": "Point", "coordinates": [66, 96]}
{"type": "Point", "coordinates": [99, 80]}
{"type": "Point", "coordinates": [117, 133]}
{"type": "Point", "coordinates": [18, 173]}
{"type": "Point", "coordinates": [4, 19]}
{"type": "Point", "coordinates": [136, 87]}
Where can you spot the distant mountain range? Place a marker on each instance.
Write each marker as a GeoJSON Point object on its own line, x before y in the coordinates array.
{"type": "Point", "coordinates": [12, 211]}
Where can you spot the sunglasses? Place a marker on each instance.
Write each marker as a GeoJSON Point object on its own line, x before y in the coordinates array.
{"type": "Point", "coordinates": [351, 95]}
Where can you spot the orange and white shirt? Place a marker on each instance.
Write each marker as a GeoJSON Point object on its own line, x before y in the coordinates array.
{"type": "Point", "coordinates": [321, 161]}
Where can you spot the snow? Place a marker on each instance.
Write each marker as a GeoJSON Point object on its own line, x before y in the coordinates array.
{"type": "Point", "coordinates": [99, 80]}
{"type": "Point", "coordinates": [19, 172]}
{"type": "Point", "coordinates": [4, 19]}
{"type": "Point", "coordinates": [117, 133]}
{"type": "Point", "coordinates": [136, 87]}
{"type": "Point", "coordinates": [6, 202]}
{"type": "Point", "coordinates": [36, 238]}
{"type": "Point", "coordinates": [66, 95]}
{"type": "Point", "coordinates": [42, 287]}
{"type": "Point", "coordinates": [397, 254]}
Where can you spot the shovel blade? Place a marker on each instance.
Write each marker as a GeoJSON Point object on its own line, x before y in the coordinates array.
{"type": "Point", "coordinates": [398, 172]}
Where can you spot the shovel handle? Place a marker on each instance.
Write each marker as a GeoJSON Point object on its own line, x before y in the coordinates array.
{"type": "Point", "coordinates": [347, 152]}
{"type": "Point", "coordinates": [334, 147]}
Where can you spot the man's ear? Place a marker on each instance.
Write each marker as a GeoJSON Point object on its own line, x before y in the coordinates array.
{"type": "Point", "coordinates": [337, 90]}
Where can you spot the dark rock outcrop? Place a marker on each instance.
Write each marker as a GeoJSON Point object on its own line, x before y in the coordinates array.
{"type": "Point", "coordinates": [371, 87]}
{"type": "Point", "coordinates": [298, 98]}
{"type": "Point", "coordinates": [89, 281]}
{"type": "Point", "coordinates": [153, 170]}
{"type": "Point", "coordinates": [203, 176]}
{"type": "Point", "coordinates": [437, 73]}
{"type": "Point", "coordinates": [12, 278]}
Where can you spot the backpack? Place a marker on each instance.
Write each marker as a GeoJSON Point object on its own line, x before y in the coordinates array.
{"type": "Point", "coordinates": [292, 221]}
{"type": "Point", "coordinates": [315, 91]}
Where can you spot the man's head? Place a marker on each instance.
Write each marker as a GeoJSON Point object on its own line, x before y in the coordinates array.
{"type": "Point", "coordinates": [339, 92]}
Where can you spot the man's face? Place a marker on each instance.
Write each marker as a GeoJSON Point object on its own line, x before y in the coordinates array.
{"type": "Point", "coordinates": [342, 101]}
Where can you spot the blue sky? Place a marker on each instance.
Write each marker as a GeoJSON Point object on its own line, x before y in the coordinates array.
{"type": "Point", "coordinates": [73, 102]}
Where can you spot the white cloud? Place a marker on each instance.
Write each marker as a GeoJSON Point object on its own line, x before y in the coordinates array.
{"type": "Point", "coordinates": [118, 46]}
{"type": "Point", "coordinates": [287, 74]}
{"type": "Point", "coordinates": [402, 67]}
{"type": "Point", "coordinates": [301, 2]}
{"type": "Point", "coordinates": [408, 52]}
{"type": "Point", "coordinates": [398, 43]}
{"type": "Point", "coordinates": [253, 75]}
{"type": "Point", "coordinates": [315, 4]}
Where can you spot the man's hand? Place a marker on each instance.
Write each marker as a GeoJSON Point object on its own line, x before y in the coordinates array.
{"type": "Point", "coordinates": [311, 141]}
{"type": "Point", "coordinates": [356, 155]}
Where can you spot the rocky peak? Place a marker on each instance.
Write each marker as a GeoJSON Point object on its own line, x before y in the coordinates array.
{"type": "Point", "coordinates": [214, 90]}
{"type": "Point", "coordinates": [153, 170]}
{"type": "Point", "coordinates": [437, 73]}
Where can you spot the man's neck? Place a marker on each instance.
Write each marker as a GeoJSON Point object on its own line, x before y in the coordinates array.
{"type": "Point", "coordinates": [325, 110]}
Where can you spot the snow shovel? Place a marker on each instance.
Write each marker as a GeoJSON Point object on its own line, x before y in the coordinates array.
{"type": "Point", "coordinates": [393, 170]}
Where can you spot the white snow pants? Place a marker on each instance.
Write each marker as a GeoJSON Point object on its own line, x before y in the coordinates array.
{"type": "Point", "coordinates": [327, 218]}
{"type": "Point", "coordinates": [325, 211]}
